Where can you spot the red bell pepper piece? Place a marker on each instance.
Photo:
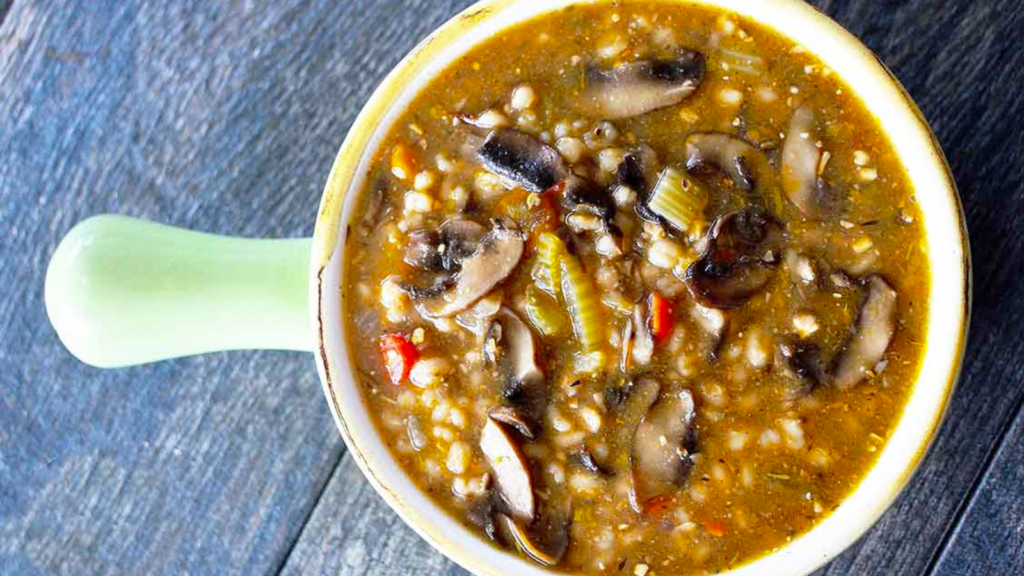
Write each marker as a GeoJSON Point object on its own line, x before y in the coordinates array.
{"type": "Point", "coordinates": [660, 318]}
{"type": "Point", "coordinates": [399, 356]}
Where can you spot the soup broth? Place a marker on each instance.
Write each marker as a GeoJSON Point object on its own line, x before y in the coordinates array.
{"type": "Point", "coordinates": [638, 288]}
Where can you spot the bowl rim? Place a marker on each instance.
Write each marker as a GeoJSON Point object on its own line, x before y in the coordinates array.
{"type": "Point", "coordinates": [430, 521]}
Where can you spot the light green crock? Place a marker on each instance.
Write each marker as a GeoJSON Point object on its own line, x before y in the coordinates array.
{"type": "Point", "coordinates": [122, 291]}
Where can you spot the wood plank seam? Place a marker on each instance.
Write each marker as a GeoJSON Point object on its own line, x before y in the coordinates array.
{"type": "Point", "coordinates": [335, 468]}
{"type": "Point", "coordinates": [973, 492]}
{"type": "Point", "coordinates": [5, 8]}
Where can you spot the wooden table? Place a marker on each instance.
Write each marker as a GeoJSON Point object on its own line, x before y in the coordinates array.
{"type": "Point", "coordinates": [224, 116]}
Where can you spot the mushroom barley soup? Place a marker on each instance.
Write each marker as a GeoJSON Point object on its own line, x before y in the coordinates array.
{"type": "Point", "coordinates": [637, 288]}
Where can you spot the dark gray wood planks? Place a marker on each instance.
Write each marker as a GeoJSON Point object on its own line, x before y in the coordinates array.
{"type": "Point", "coordinates": [353, 532]}
{"type": "Point", "coordinates": [224, 118]}
{"type": "Point", "coordinates": [989, 537]}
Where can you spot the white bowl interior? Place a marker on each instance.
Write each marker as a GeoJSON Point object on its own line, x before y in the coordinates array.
{"type": "Point", "coordinates": [947, 308]}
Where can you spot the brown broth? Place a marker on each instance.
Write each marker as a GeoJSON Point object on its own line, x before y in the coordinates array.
{"type": "Point", "coordinates": [758, 482]}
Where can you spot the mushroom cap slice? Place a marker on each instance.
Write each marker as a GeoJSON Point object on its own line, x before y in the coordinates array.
{"type": "Point", "coordinates": [639, 87]}
{"type": "Point", "coordinates": [803, 361]}
{"type": "Point", "coordinates": [508, 343]}
{"type": "Point", "coordinates": [495, 257]}
{"type": "Point", "coordinates": [643, 341]}
{"type": "Point", "coordinates": [511, 473]}
{"type": "Point", "coordinates": [523, 159]}
{"type": "Point", "coordinates": [545, 544]}
{"type": "Point", "coordinates": [800, 159]}
{"type": "Point", "coordinates": [744, 163]}
{"type": "Point", "coordinates": [513, 342]}
{"type": "Point", "coordinates": [629, 408]}
{"type": "Point", "coordinates": [443, 248]}
{"type": "Point", "coordinates": [876, 324]}
{"type": "Point", "coordinates": [663, 444]}
{"type": "Point", "coordinates": [743, 250]}
{"type": "Point", "coordinates": [514, 418]}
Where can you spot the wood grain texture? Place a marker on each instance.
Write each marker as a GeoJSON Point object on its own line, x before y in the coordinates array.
{"type": "Point", "coordinates": [989, 537]}
{"type": "Point", "coordinates": [353, 533]}
{"type": "Point", "coordinates": [224, 116]}
{"type": "Point", "coordinates": [199, 115]}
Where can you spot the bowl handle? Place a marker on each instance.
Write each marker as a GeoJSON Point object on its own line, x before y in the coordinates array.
{"type": "Point", "coordinates": [121, 291]}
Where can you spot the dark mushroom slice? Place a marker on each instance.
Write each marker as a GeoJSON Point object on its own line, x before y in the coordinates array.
{"type": "Point", "coordinates": [639, 169]}
{"type": "Point", "coordinates": [443, 248]}
{"type": "Point", "coordinates": [497, 254]}
{"type": "Point", "coordinates": [640, 87]}
{"type": "Point", "coordinates": [544, 542]}
{"type": "Point", "coordinates": [741, 161]}
{"type": "Point", "coordinates": [481, 513]}
{"type": "Point", "coordinates": [876, 323]}
{"type": "Point", "coordinates": [511, 473]}
{"type": "Point", "coordinates": [522, 159]}
{"type": "Point", "coordinates": [800, 158]}
{"type": "Point", "coordinates": [439, 286]}
{"type": "Point", "coordinates": [743, 250]}
{"type": "Point", "coordinates": [804, 362]}
{"type": "Point", "coordinates": [663, 446]}
{"type": "Point", "coordinates": [514, 418]}
{"type": "Point", "coordinates": [581, 194]}
{"type": "Point", "coordinates": [631, 405]}
{"type": "Point", "coordinates": [586, 459]}
{"type": "Point", "coordinates": [643, 341]}
{"type": "Point", "coordinates": [374, 208]}
{"type": "Point", "coordinates": [508, 343]}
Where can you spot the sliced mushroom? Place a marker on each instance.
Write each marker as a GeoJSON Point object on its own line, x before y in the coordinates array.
{"type": "Point", "coordinates": [509, 343]}
{"type": "Point", "coordinates": [582, 194]}
{"type": "Point", "coordinates": [640, 87]}
{"type": "Point", "coordinates": [639, 169]}
{"type": "Point", "coordinates": [477, 318]}
{"type": "Point", "coordinates": [804, 362]}
{"type": "Point", "coordinates": [588, 462]}
{"type": "Point", "coordinates": [374, 211]}
{"type": "Point", "coordinates": [663, 446]}
{"type": "Point", "coordinates": [743, 250]}
{"type": "Point", "coordinates": [514, 418]}
{"type": "Point", "coordinates": [497, 254]}
{"type": "Point", "coordinates": [643, 340]}
{"type": "Point", "coordinates": [876, 323]}
{"type": "Point", "coordinates": [523, 159]}
{"type": "Point", "coordinates": [629, 405]}
{"type": "Point", "coordinates": [800, 157]}
{"type": "Point", "coordinates": [741, 161]}
{"type": "Point", "coordinates": [511, 472]}
{"type": "Point", "coordinates": [481, 513]}
{"type": "Point", "coordinates": [443, 248]}
{"type": "Point", "coordinates": [545, 542]}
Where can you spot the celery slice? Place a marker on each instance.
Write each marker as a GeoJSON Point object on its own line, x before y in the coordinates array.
{"type": "Point", "coordinates": [548, 272]}
{"type": "Point", "coordinates": [582, 303]}
{"type": "Point", "coordinates": [544, 312]}
{"type": "Point", "coordinates": [679, 199]}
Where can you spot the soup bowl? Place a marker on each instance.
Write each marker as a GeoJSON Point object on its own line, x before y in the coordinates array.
{"type": "Point", "coordinates": [112, 279]}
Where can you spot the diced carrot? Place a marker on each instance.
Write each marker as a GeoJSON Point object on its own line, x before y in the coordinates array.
{"type": "Point", "coordinates": [657, 506]}
{"type": "Point", "coordinates": [403, 162]}
{"type": "Point", "coordinates": [534, 212]}
{"type": "Point", "coordinates": [660, 317]}
{"type": "Point", "coordinates": [716, 529]}
{"type": "Point", "coordinates": [399, 356]}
